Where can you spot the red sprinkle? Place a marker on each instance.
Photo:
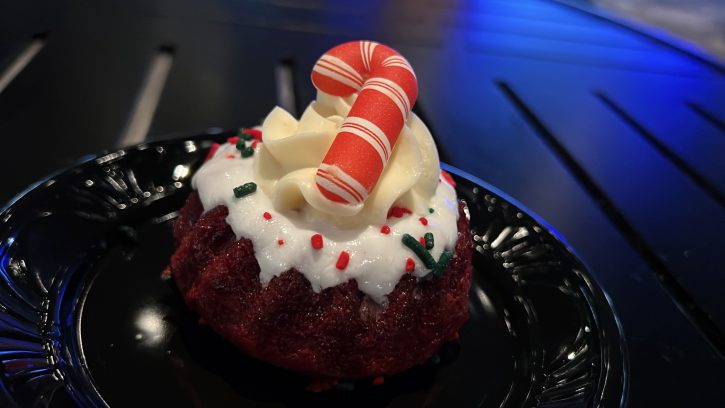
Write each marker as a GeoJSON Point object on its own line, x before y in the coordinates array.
{"type": "Point", "coordinates": [230, 156]}
{"type": "Point", "coordinates": [422, 241]}
{"type": "Point", "coordinates": [233, 140]}
{"type": "Point", "coordinates": [398, 212]}
{"type": "Point", "coordinates": [316, 241]}
{"type": "Point", "coordinates": [378, 380]}
{"type": "Point", "coordinates": [280, 242]}
{"type": "Point", "coordinates": [254, 144]}
{"type": "Point", "coordinates": [267, 216]}
{"type": "Point", "coordinates": [448, 178]}
{"type": "Point", "coordinates": [255, 133]}
{"type": "Point", "coordinates": [423, 221]}
{"type": "Point", "coordinates": [385, 229]}
{"type": "Point", "coordinates": [213, 150]}
{"type": "Point", "coordinates": [409, 265]}
{"type": "Point", "coordinates": [343, 260]}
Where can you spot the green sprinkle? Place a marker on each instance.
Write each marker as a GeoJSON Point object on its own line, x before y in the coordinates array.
{"type": "Point", "coordinates": [241, 145]}
{"type": "Point", "coordinates": [429, 242]}
{"type": "Point", "coordinates": [416, 247]}
{"type": "Point", "coordinates": [244, 189]}
{"type": "Point", "coordinates": [244, 136]}
{"type": "Point", "coordinates": [430, 210]}
{"type": "Point", "coordinates": [247, 151]}
{"type": "Point", "coordinates": [443, 261]}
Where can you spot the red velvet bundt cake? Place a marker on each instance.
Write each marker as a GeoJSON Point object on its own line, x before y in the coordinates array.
{"type": "Point", "coordinates": [339, 332]}
{"type": "Point", "coordinates": [333, 245]}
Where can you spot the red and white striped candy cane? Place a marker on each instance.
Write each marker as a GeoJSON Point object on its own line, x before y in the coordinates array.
{"type": "Point", "coordinates": [387, 91]}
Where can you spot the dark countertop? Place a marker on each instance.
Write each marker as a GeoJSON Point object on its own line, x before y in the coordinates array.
{"type": "Point", "coordinates": [614, 136]}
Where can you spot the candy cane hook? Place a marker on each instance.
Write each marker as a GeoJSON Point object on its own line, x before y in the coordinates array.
{"type": "Point", "coordinates": [387, 89]}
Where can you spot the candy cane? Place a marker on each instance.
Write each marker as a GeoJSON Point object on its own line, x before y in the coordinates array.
{"type": "Point", "coordinates": [387, 89]}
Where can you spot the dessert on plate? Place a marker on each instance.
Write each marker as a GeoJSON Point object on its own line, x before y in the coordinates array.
{"type": "Point", "coordinates": [332, 245]}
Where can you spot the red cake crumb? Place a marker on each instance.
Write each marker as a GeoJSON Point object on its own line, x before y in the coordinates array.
{"type": "Point", "coordinates": [320, 385]}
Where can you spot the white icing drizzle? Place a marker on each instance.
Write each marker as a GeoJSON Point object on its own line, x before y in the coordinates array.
{"type": "Point", "coordinates": [377, 260]}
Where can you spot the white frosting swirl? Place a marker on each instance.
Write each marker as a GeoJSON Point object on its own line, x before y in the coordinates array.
{"type": "Point", "coordinates": [283, 168]}
{"type": "Point", "coordinates": [293, 150]}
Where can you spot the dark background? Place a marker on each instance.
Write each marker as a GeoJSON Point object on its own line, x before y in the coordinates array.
{"type": "Point", "coordinates": [613, 133]}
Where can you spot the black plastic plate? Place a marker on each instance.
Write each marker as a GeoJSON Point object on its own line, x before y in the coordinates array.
{"type": "Point", "coordinates": [87, 321]}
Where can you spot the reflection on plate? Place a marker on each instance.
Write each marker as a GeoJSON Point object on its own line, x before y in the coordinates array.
{"type": "Point", "coordinates": [87, 321]}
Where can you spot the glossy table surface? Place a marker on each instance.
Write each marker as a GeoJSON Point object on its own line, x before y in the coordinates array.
{"type": "Point", "coordinates": [613, 134]}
